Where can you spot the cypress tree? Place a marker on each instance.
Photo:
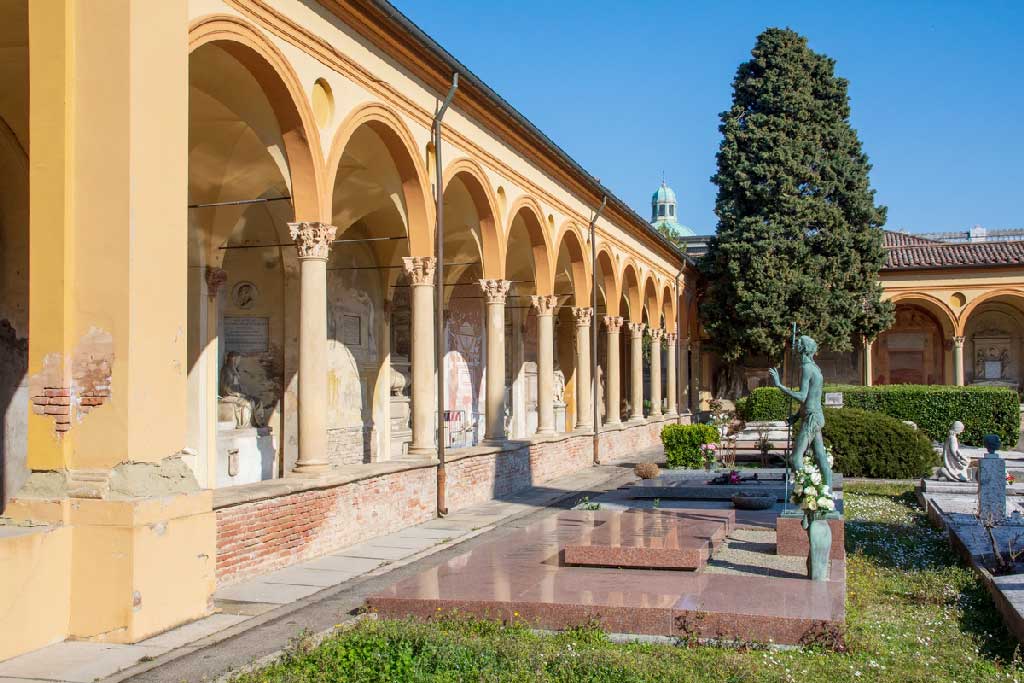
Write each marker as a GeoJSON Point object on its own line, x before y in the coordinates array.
{"type": "Point", "coordinates": [799, 235]}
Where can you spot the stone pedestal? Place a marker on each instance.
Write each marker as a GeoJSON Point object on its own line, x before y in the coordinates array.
{"type": "Point", "coordinates": [559, 410]}
{"type": "Point", "coordinates": [244, 456]}
{"type": "Point", "coordinates": [791, 537]}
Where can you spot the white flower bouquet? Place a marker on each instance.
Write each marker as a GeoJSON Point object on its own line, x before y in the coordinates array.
{"type": "Point", "coordinates": [811, 493]}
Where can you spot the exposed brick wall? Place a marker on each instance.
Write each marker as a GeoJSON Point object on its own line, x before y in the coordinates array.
{"type": "Point", "coordinates": [258, 537]}
{"type": "Point", "coordinates": [349, 445]}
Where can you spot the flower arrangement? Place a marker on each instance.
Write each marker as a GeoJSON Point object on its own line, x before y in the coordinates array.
{"type": "Point", "coordinates": [708, 452]}
{"type": "Point", "coordinates": [1010, 479]}
{"type": "Point", "coordinates": [810, 492]}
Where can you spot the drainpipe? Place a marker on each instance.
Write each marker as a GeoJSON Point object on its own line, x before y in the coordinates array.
{"type": "Point", "coordinates": [442, 507]}
{"type": "Point", "coordinates": [593, 332]}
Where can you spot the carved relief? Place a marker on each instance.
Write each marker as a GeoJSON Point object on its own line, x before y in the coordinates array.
{"type": "Point", "coordinates": [544, 305]}
{"type": "Point", "coordinates": [215, 278]}
{"type": "Point", "coordinates": [656, 334]}
{"type": "Point", "coordinates": [495, 291]}
{"type": "Point", "coordinates": [613, 323]}
{"type": "Point", "coordinates": [420, 269]}
{"type": "Point", "coordinates": [583, 316]}
{"type": "Point", "coordinates": [637, 329]}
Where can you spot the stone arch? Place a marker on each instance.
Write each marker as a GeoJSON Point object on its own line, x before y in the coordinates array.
{"type": "Point", "coordinates": [668, 307]}
{"type": "Point", "coordinates": [577, 263]}
{"type": "Point", "coordinates": [401, 147]}
{"type": "Point", "coordinates": [938, 308]}
{"type": "Point", "coordinates": [492, 243]}
{"type": "Point", "coordinates": [993, 339]}
{"type": "Point", "coordinates": [283, 90]}
{"type": "Point", "coordinates": [630, 292]}
{"type": "Point", "coordinates": [1015, 297]}
{"type": "Point", "coordinates": [916, 349]}
{"type": "Point", "coordinates": [652, 300]}
{"type": "Point", "coordinates": [607, 278]}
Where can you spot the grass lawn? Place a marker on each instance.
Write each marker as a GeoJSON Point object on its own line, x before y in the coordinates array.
{"type": "Point", "coordinates": [913, 614]}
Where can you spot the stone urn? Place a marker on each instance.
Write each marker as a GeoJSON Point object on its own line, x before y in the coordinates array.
{"type": "Point", "coordinates": [819, 541]}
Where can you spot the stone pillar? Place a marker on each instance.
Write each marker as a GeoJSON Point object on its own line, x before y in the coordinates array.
{"type": "Point", "coordinates": [958, 361]}
{"type": "Point", "coordinates": [495, 291]}
{"type": "Point", "coordinates": [420, 270]}
{"type": "Point", "coordinates": [868, 369]}
{"type": "Point", "coordinates": [657, 334]}
{"type": "Point", "coordinates": [545, 307]}
{"type": "Point", "coordinates": [584, 390]}
{"type": "Point", "coordinates": [636, 370]}
{"type": "Point", "coordinates": [611, 391]}
{"type": "Point", "coordinates": [684, 375]}
{"type": "Point", "coordinates": [215, 279]}
{"type": "Point", "coordinates": [670, 392]}
{"type": "Point", "coordinates": [695, 378]}
{"type": "Point", "coordinates": [313, 242]}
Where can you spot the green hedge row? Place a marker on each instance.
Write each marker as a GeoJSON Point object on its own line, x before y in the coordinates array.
{"type": "Point", "coordinates": [983, 410]}
{"type": "Point", "coordinates": [870, 444]}
{"type": "Point", "coordinates": [682, 444]}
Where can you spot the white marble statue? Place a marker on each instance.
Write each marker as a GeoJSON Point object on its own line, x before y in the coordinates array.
{"type": "Point", "coordinates": [954, 463]}
{"type": "Point", "coordinates": [233, 404]}
{"type": "Point", "coordinates": [558, 385]}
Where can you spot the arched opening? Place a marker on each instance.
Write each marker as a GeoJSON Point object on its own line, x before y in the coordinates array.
{"type": "Point", "coordinates": [607, 305]}
{"type": "Point", "coordinates": [630, 308]}
{"type": "Point", "coordinates": [470, 255]}
{"type": "Point", "coordinates": [246, 143]}
{"type": "Point", "coordinates": [994, 342]}
{"type": "Point", "coordinates": [653, 318]}
{"type": "Point", "coordinates": [526, 267]}
{"type": "Point", "coordinates": [571, 285]}
{"type": "Point", "coordinates": [14, 247]}
{"type": "Point", "coordinates": [369, 321]}
{"type": "Point", "coordinates": [914, 349]}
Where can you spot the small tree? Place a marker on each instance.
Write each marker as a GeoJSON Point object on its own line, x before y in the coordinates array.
{"type": "Point", "coordinates": [799, 236]}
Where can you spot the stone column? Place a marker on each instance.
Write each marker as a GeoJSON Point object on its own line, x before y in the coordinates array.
{"type": "Point", "coordinates": [868, 369]}
{"type": "Point", "coordinates": [636, 338]}
{"type": "Point", "coordinates": [695, 379]}
{"type": "Point", "coordinates": [545, 308]}
{"type": "Point", "coordinates": [684, 375]}
{"type": "Point", "coordinates": [313, 242]}
{"type": "Point", "coordinates": [611, 389]}
{"type": "Point", "coordinates": [420, 270]}
{"type": "Point", "coordinates": [958, 360]}
{"type": "Point", "coordinates": [670, 392]}
{"type": "Point", "coordinates": [584, 390]}
{"type": "Point", "coordinates": [215, 279]}
{"type": "Point", "coordinates": [495, 291]}
{"type": "Point", "coordinates": [657, 334]}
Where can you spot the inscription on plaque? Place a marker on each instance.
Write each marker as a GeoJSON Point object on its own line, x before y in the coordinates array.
{"type": "Point", "coordinates": [834, 399]}
{"type": "Point", "coordinates": [246, 334]}
{"type": "Point", "coordinates": [351, 330]}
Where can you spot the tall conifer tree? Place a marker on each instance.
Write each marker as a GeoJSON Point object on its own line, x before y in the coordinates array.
{"type": "Point", "coordinates": [799, 235]}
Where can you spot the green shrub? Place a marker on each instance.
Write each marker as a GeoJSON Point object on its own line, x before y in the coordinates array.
{"type": "Point", "coordinates": [870, 444]}
{"type": "Point", "coordinates": [682, 444]}
{"type": "Point", "coordinates": [741, 408]}
{"type": "Point", "coordinates": [767, 403]}
{"type": "Point", "coordinates": [933, 408]}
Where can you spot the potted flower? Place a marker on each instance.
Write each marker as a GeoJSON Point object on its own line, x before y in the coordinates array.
{"type": "Point", "coordinates": [708, 452]}
{"type": "Point", "coordinates": [816, 501]}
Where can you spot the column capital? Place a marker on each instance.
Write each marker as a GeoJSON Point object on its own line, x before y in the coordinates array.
{"type": "Point", "coordinates": [583, 315]}
{"type": "Point", "coordinates": [670, 337]}
{"type": "Point", "coordinates": [215, 278]}
{"type": "Point", "coordinates": [657, 334]}
{"type": "Point", "coordinates": [958, 340]}
{"type": "Point", "coordinates": [312, 240]}
{"type": "Point", "coordinates": [637, 329]}
{"type": "Point", "coordinates": [420, 269]}
{"type": "Point", "coordinates": [495, 290]}
{"type": "Point", "coordinates": [613, 323]}
{"type": "Point", "coordinates": [544, 304]}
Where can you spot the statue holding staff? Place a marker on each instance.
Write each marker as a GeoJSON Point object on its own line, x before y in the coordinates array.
{"type": "Point", "coordinates": [809, 397]}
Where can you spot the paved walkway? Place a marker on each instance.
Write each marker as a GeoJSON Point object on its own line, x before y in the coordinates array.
{"type": "Point", "coordinates": [256, 618]}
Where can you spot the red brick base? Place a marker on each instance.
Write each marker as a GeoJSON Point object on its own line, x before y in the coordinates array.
{"type": "Point", "coordinates": [266, 526]}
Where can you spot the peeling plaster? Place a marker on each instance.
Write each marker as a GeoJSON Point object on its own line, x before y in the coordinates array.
{"type": "Point", "coordinates": [68, 402]}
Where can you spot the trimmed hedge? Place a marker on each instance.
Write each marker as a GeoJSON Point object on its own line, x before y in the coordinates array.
{"type": "Point", "coordinates": [870, 444]}
{"type": "Point", "coordinates": [983, 410]}
{"type": "Point", "coordinates": [682, 444]}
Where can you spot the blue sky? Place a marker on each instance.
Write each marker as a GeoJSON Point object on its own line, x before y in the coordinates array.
{"type": "Point", "coordinates": [631, 89]}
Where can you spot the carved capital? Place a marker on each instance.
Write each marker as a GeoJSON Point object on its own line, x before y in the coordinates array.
{"type": "Point", "coordinates": [637, 329]}
{"type": "Point", "coordinates": [312, 240]}
{"type": "Point", "coordinates": [958, 342]}
{"type": "Point", "coordinates": [544, 304]}
{"type": "Point", "coordinates": [420, 269]}
{"type": "Point", "coordinates": [495, 290]}
{"type": "Point", "coordinates": [613, 323]}
{"type": "Point", "coordinates": [583, 316]}
{"type": "Point", "coordinates": [657, 334]}
{"type": "Point", "coordinates": [670, 337]}
{"type": "Point", "coordinates": [215, 277]}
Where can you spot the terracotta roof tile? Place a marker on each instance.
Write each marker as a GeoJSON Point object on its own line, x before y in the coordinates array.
{"type": "Point", "coordinates": [910, 252]}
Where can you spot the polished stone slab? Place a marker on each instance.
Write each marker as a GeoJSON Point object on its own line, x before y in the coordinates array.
{"type": "Point", "coordinates": [653, 539]}
{"type": "Point", "coordinates": [791, 537]}
{"type": "Point", "coordinates": [523, 576]}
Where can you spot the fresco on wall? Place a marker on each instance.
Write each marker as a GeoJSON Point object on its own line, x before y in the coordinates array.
{"type": "Point", "coordinates": [464, 365]}
{"type": "Point", "coordinates": [352, 351]}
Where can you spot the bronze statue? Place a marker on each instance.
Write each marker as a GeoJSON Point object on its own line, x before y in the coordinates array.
{"type": "Point", "coordinates": [809, 396]}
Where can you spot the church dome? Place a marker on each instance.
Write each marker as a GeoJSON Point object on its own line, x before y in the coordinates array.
{"type": "Point", "coordinates": [663, 212]}
{"type": "Point", "coordinates": [664, 194]}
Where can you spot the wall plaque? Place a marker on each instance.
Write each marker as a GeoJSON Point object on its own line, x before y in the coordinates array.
{"type": "Point", "coordinates": [834, 399]}
{"type": "Point", "coordinates": [246, 334]}
{"type": "Point", "coordinates": [351, 330]}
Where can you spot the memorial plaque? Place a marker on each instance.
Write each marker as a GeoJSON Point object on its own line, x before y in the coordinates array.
{"type": "Point", "coordinates": [246, 334]}
{"type": "Point", "coordinates": [834, 399]}
{"type": "Point", "coordinates": [993, 369]}
{"type": "Point", "coordinates": [351, 330]}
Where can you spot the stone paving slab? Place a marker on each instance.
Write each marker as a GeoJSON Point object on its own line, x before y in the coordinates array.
{"type": "Point", "coordinates": [263, 592]}
{"type": "Point", "coordinates": [303, 576]}
{"type": "Point", "coordinates": [183, 635]}
{"type": "Point", "coordinates": [343, 563]}
{"type": "Point", "coordinates": [76, 661]}
{"type": "Point", "coordinates": [378, 552]}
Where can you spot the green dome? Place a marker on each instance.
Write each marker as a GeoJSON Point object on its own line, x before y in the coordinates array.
{"type": "Point", "coordinates": [663, 194]}
{"type": "Point", "coordinates": [674, 226]}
